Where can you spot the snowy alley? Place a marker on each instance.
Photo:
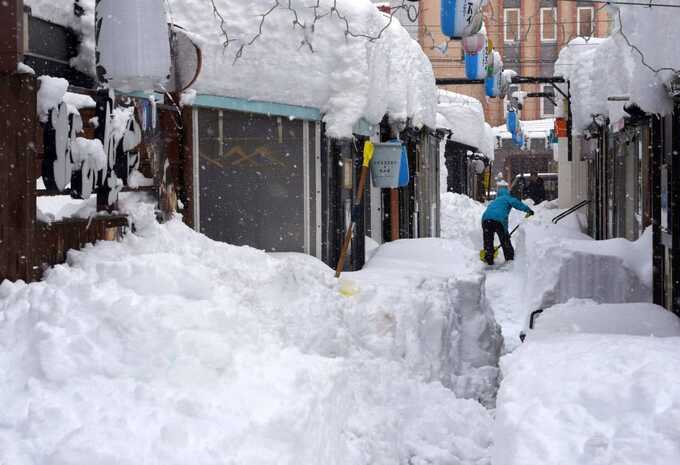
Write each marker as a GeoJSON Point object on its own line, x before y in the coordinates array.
{"type": "Point", "coordinates": [339, 232]}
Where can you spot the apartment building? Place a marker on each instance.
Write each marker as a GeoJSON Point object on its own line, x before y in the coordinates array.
{"type": "Point", "coordinates": [528, 34]}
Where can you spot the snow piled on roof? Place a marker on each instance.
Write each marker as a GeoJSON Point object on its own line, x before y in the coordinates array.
{"type": "Point", "coordinates": [532, 129]}
{"type": "Point", "coordinates": [61, 12]}
{"type": "Point", "coordinates": [599, 69]}
{"type": "Point", "coordinates": [346, 78]}
{"type": "Point", "coordinates": [464, 116]}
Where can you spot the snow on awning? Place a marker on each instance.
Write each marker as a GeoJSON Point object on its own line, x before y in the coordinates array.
{"type": "Point", "coordinates": [321, 67]}
{"type": "Point", "coordinates": [603, 68]}
{"type": "Point", "coordinates": [464, 117]}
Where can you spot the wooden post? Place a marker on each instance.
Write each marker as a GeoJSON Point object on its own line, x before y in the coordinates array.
{"type": "Point", "coordinates": [17, 177]}
{"type": "Point", "coordinates": [394, 214]}
{"type": "Point", "coordinates": [11, 35]}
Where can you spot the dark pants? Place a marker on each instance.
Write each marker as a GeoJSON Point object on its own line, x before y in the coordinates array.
{"type": "Point", "coordinates": [491, 227]}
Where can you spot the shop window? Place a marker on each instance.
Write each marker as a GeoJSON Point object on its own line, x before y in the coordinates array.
{"type": "Point", "coordinates": [511, 19]}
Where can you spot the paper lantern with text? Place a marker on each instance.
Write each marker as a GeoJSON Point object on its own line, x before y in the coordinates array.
{"type": "Point", "coordinates": [461, 18]}
{"type": "Point", "coordinates": [511, 121]}
{"type": "Point", "coordinates": [476, 64]}
{"type": "Point", "coordinates": [494, 80]}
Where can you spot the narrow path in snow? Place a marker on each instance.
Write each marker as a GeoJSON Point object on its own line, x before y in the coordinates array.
{"type": "Point", "coordinates": [503, 292]}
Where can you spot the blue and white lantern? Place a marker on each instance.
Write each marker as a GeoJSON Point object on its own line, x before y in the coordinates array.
{"type": "Point", "coordinates": [518, 137]}
{"type": "Point", "coordinates": [492, 85]}
{"type": "Point", "coordinates": [494, 79]}
{"type": "Point", "coordinates": [461, 18]}
{"type": "Point", "coordinates": [476, 64]}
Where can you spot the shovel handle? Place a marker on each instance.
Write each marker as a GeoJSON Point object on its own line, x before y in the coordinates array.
{"type": "Point", "coordinates": [348, 236]}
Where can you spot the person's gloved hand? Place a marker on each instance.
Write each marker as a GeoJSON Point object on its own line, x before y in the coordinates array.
{"type": "Point", "coordinates": [529, 214]}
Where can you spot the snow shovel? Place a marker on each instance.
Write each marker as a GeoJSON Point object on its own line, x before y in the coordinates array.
{"type": "Point", "coordinates": [482, 253]}
{"type": "Point", "coordinates": [368, 155]}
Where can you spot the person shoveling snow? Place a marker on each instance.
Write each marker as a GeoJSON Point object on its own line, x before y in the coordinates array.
{"type": "Point", "coordinates": [495, 221]}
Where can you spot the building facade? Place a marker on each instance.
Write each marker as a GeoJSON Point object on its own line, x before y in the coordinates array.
{"type": "Point", "coordinates": [528, 34]}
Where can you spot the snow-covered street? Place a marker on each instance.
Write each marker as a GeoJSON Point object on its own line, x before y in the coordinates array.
{"type": "Point", "coordinates": [339, 232]}
{"type": "Point", "coordinates": [170, 347]}
{"type": "Point", "coordinates": [175, 348]}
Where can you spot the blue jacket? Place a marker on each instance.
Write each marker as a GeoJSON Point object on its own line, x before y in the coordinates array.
{"type": "Point", "coordinates": [499, 209]}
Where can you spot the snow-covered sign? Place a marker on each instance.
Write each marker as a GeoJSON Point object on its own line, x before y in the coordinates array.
{"type": "Point", "coordinates": [461, 18]}
{"type": "Point", "coordinates": [386, 165]}
{"type": "Point", "coordinates": [133, 44]}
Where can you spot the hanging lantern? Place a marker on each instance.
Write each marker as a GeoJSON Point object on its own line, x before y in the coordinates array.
{"type": "Point", "coordinates": [461, 18]}
{"type": "Point", "coordinates": [518, 137]}
{"type": "Point", "coordinates": [133, 44]}
{"type": "Point", "coordinates": [511, 122]}
{"type": "Point", "coordinates": [474, 43]}
{"type": "Point", "coordinates": [476, 64]}
{"type": "Point", "coordinates": [493, 84]}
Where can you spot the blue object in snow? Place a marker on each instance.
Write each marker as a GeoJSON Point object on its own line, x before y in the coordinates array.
{"type": "Point", "coordinates": [404, 174]}
{"type": "Point", "coordinates": [500, 208]}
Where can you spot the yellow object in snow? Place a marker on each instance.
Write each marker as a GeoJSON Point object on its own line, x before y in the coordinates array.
{"type": "Point", "coordinates": [482, 254]}
{"type": "Point", "coordinates": [369, 148]}
{"type": "Point", "coordinates": [348, 288]}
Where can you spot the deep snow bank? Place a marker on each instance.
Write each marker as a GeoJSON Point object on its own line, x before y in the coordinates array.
{"type": "Point", "coordinates": [456, 337]}
{"type": "Point", "coordinates": [586, 399]}
{"type": "Point", "coordinates": [461, 219]}
{"type": "Point", "coordinates": [562, 263]}
{"type": "Point", "coordinates": [171, 348]}
{"type": "Point", "coordinates": [587, 316]}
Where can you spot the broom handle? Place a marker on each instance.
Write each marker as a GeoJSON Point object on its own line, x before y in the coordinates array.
{"type": "Point", "coordinates": [348, 235]}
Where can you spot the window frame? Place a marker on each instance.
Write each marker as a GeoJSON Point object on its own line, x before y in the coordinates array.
{"type": "Point", "coordinates": [553, 10]}
{"type": "Point", "coordinates": [543, 102]}
{"type": "Point", "coordinates": [518, 11]}
{"type": "Point", "coordinates": [578, 21]}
